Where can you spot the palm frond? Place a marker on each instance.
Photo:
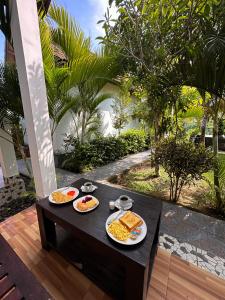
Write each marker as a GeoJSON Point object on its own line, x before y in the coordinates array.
{"type": "Point", "coordinates": [68, 34]}
{"type": "Point", "coordinates": [46, 44]}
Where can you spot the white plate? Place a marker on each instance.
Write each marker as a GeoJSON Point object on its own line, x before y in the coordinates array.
{"type": "Point", "coordinates": [64, 190]}
{"type": "Point", "coordinates": [80, 199]}
{"type": "Point", "coordinates": [117, 205]}
{"type": "Point", "coordinates": [94, 187]}
{"type": "Point", "coordinates": [128, 241]}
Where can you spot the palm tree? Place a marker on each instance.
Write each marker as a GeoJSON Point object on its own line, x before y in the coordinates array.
{"type": "Point", "coordinates": [56, 78]}
{"type": "Point", "coordinates": [89, 72]}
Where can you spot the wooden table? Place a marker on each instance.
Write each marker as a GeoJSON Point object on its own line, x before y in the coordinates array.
{"type": "Point", "coordinates": [123, 271]}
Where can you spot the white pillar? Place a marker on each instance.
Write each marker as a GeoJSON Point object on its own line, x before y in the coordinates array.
{"type": "Point", "coordinates": [7, 155]}
{"type": "Point", "coordinates": [27, 46]}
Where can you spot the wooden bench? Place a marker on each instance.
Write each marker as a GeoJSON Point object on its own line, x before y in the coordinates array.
{"type": "Point", "coordinates": [16, 281]}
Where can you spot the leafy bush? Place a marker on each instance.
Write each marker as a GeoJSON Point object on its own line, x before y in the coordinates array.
{"type": "Point", "coordinates": [136, 140]}
{"type": "Point", "coordinates": [183, 162]}
{"type": "Point", "coordinates": [80, 158]}
{"type": "Point", "coordinates": [109, 149]}
{"type": "Point", "coordinates": [102, 150]}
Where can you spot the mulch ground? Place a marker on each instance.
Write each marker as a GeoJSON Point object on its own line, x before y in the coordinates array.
{"type": "Point", "coordinates": [15, 206]}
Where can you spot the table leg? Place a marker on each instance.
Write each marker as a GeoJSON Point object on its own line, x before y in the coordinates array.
{"type": "Point", "coordinates": [47, 229]}
{"type": "Point", "coordinates": [136, 282]}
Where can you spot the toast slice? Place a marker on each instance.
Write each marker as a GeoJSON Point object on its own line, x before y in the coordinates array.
{"type": "Point", "coordinates": [130, 220]}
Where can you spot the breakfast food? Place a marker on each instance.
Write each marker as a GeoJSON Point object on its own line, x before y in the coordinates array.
{"type": "Point", "coordinates": [119, 231]}
{"type": "Point", "coordinates": [128, 226]}
{"type": "Point", "coordinates": [59, 197]}
{"type": "Point", "coordinates": [87, 203]}
{"type": "Point", "coordinates": [71, 193]}
{"type": "Point", "coordinates": [135, 233]}
{"type": "Point", "coordinates": [130, 220]}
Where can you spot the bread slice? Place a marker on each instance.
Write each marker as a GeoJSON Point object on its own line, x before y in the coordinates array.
{"type": "Point", "coordinates": [130, 220]}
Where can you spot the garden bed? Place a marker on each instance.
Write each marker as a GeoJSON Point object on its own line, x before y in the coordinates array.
{"type": "Point", "coordinates": [141, 179]}
{"type": "Point", "coordinates": [15, 206]}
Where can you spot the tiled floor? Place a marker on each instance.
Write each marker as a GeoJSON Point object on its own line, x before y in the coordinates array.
{"type": "Point", "coordinates": [194, 237]}
{"type": "Point", "coordinates": [172, 278]}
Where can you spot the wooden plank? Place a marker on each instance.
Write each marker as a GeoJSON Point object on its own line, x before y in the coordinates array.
{"type": "Point", "coordinates": [172, 278]}
{"type": "Point", "coordinates": [13, 295]}
{"type": "Point", "coordinates": [2, 271]}
{"type": "Point", "coordinates": [19, 274]}
{"type": "Point", "coordinates": [5, 285]}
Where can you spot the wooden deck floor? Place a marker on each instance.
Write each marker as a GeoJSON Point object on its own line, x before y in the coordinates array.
{"type": "Point", "coordinates": [172, 278]}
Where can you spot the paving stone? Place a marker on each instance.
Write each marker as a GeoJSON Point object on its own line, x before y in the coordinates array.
{"type": "Point", "coordinates": [65, 177]}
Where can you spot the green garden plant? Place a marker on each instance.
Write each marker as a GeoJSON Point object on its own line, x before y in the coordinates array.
{"type": "Point", "coordinates": [136, 140]}
{"type": "Point", "coordinates": [88, 71]}
{"type": "Point", "coordinates": [103, 150]}
{"type": "Point", "coordinates": [56, 78]}
{"type": "Point", "coordinates": [183, 162]}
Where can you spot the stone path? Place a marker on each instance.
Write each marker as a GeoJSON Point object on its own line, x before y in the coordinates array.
{"type": "Point", "coordinates": [194, 237]}
{"type": "Point", "coordinates": [64, 177]}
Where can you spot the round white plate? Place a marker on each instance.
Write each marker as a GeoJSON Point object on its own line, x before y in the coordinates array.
{"type": "Point", "coordinates": [128, 241]}
{"type": "Point", "coordinates": [117, 205]}
{"type": "Point", "coordinates": [94, 187]}
{"type": "Point", "coordinates": [64, 190]}
{"type": "Point", "coordinates": [80, 199]}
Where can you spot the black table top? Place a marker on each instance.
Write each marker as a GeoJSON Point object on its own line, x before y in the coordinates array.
{"type": "Point", "coordinates": [92, 224]}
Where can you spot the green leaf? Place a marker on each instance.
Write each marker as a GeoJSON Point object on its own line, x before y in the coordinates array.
{"type": "Point", "coordinates": [207, 10]}
{"type": "Point", "coordinates": [122, 10]}
{"type": "Point", "coordinates": [100, 21]}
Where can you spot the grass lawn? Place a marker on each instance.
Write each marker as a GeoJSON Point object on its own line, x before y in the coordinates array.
{"type": "Point", "coordinates": [141, 179]}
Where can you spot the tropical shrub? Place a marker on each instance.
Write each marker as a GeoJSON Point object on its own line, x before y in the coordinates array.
{"type": "Point", "coordinates": [82, 157]}
{"type": "Point", "coordinates": [109, 149]}
{"type": "Point", "coordinates": [98, 152]}
{"type": "Point", "coordinates": [135, 139]}
{"type": "Point", "coordinates": [183, 162]}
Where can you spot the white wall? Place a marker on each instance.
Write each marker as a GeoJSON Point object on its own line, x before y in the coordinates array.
{"type": "Point", "coordinates": [66, 125]}
{"type": "Point", "coordinates": [108, 114]}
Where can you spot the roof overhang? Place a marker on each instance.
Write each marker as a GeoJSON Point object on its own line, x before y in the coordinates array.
{"type": "Point", "coordinates": [42, 6]}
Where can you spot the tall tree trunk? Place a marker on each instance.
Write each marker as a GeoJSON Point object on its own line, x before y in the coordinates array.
{"type": "Point", "coordinates": [156, 140]}
{"type": "Point", "coordinates": [176, 120]}
{"type": "Point", "coordinates": [205, 116]}
{"type": "Point", "coordinates": [216, 167]}
{"type": "Point", "coordinates": [83, 127]}
{"type": "Point", "coordinates": [203, 127]}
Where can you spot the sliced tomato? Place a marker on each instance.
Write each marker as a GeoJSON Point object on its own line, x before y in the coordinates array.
{"type": "Point", "coordinates": [71, 193]}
